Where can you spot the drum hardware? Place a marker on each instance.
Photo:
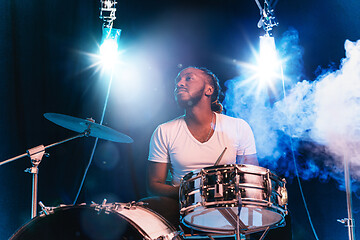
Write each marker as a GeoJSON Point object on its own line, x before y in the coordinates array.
{"type": "Point", "coordinates": [239, 223]}
{"type": "Point", "coordinates": [107, 208]}
{"type": "Point", "coordinates": [99, 221]}
{"type": "Point", "coordinates": [283, 195]}
{"type": "Point", "coordinates": [133, 205]}
{"type": "Point", "coordinates": [218, 187]}
{"type": "Point", "coordinates": [252, 194]}
{"type": "Point", "coordinates": [268, 184]}
{"type": "Point", "coordinates": [84, 127]}
{"type": "Point", "coordinates": [264, 233]}
{"type": "Point", "coordinates": [46, 210]}
{"type": "Point", "coordinates": [232, 218]}
{"type": "Point", "coordinates": [36, 154]}
{"type": "Point", "coordinates": [103, 207]}
{"type": "Point", "coordinates": [347, 222]}
{"type": "Point", "coordinates": [205, 235]}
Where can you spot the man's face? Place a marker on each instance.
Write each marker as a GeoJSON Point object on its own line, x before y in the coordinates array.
{"type": "Point", "coordinates": [190, 87]}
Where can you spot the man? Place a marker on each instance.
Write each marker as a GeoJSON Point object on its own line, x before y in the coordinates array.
{"type": "Point", "coordinates": [194, 140]}
{"type": "Point", "coordinates": [186, 143]}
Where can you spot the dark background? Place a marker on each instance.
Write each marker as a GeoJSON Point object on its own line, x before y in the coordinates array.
{"type": "Point", "coordinates": [44, 50]}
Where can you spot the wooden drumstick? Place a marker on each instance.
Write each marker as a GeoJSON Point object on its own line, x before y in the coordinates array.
{"type": "Point", "coordinates": [220, 157]}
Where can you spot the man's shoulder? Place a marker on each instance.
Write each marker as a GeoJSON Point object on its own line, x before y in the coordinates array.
{"type": "Point", "coordinates": [172, 123]}
{"type": "Point", "coordinates": [227, 118]}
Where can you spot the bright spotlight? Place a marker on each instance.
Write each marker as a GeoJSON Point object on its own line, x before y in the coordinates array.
{"type": "Point", "coordinates": [269, 65]}
{"type": "Point", "coordinates": [109, 46]}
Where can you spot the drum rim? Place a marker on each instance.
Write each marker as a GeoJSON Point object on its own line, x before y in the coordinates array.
{"type": "Point", "coordinates": [245, 203]}
{"type": "Point", "coordinates": [273, 207]}
{"type": "Point", "coordinates": [43, 216]}
{"type": "Point", "coordinates": [141, 231]}
{"type": "Point", "coordinates": [280, 213]}
{"type": "Point", "coordinates": [164, 220]}
{"type": "Point", "coordinates": [261, 171]}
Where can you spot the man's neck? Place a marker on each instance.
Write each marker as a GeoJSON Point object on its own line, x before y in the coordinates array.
{"type": "Point", "coordinates": [198, 115]}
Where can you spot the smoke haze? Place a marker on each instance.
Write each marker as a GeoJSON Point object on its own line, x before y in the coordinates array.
{"type": "Point", "coordinates": [322, 117]}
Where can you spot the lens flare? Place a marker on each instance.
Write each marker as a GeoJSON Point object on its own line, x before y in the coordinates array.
{"type": "Point", "coordinates": [108, 52]}
{"type": "Point", "coordinates": [269, 65]}
{"type": "Point", "coordinates": [321, 116]}
{"type": "Point", "coordinates": [264, 75]}
{"type": "Point", "coordinates": [109, 47]}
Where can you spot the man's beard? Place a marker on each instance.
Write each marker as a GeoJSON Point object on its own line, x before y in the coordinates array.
{"type": "Point", "coordinates": [185, 104]}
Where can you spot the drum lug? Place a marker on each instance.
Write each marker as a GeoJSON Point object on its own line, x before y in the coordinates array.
{"type": "Point", "coordinates": [131, 205]}
{"type": "Point", "coordinates": [103, 206]}
{"type": "Point", "coordinates": [284, 196]}
{"type": "Point", "coordinates": [117, 206]}
{"type": "Point", "coordinates": [46, 210]}
{"type": "Point", "coordinates": [268, 185]}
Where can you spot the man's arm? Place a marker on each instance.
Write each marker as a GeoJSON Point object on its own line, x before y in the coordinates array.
{"type": "Point", "coordinates": [157, 174]}
{"type": "Point", "coordinates": [247, 159]}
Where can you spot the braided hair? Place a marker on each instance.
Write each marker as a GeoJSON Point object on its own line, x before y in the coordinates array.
{"type": "Point", "coordinates": [216, 106]}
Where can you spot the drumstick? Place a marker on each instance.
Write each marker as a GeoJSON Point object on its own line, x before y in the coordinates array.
{"type": "Point", "coordinates": [220, 157]}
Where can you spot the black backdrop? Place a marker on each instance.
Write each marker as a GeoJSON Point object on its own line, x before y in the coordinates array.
{"type": "Point", "coordinates": [44, 68]}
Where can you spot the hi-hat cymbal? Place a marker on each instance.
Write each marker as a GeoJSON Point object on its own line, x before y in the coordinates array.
{"type": "Point", "coordinates": [81, 125]}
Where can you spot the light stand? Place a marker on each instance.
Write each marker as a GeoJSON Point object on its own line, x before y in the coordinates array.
{"type": "Point", "coordinates": [108, 49]}
{"type": "Point", "coordinates": [349, 222]}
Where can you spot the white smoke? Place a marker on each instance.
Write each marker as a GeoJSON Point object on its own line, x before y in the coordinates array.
{"type": "Point", "coordinates": [325, 112]}
{"type": "Point", "coordinates": [328, 109]}
{"type": "Point", "coordinates": [337, 107]}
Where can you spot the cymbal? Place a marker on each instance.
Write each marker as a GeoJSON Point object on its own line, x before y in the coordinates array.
{"type": "Point", "coordinates": [81, 125]}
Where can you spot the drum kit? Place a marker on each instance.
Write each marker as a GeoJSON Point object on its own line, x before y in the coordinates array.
{"type": "Point", "coordinates": [218, 201]}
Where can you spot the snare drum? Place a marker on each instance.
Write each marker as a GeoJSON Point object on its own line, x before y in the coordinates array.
{"type": "Point", "coordinates": [105, 222]}
{"type": "Point", "coordinates": [212, 198]}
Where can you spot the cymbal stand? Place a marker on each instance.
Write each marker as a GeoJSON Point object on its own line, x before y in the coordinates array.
{"type": "Point", "coordinates": [36, 154]}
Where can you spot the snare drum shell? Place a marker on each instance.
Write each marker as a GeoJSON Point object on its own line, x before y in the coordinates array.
{"type": "Point", "coordinates": [252, 189]}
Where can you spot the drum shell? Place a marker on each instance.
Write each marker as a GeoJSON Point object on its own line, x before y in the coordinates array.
{"type": "Point", "coordinates": [253, 189]}
{"type": "Point", "coordinates": [110, 222]}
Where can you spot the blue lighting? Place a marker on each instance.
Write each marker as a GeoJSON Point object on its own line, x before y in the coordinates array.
{"type": "Point", "coordinates": [269, 65]}
{"type": "Point", "coordinates": [109, 46]}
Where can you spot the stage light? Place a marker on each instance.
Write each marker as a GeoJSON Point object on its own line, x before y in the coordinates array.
{"type": "Point", "coordinates": [268, 62]}
{"type": "Point", "coordinates": [109, 46]}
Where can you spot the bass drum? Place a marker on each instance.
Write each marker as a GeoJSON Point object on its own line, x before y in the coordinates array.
{"type": "Point", "coordinates": [106, 222]}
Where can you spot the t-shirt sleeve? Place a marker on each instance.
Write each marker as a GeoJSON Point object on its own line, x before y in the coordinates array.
{"type": "Point", "coordinates": [158, 150]}
{"type": "Point", "coordinates": [246, 139]}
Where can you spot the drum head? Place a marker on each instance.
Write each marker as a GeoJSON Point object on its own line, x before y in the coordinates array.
{"type": "Point", "coordinates": [78, 222]}
{"type": "Point", "coordinates": [211, 199]}
{"type": "Point", "coordinates": [223, 220]}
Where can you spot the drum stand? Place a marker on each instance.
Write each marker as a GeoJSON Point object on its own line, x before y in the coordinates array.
{"type": "Point", "coordinates": [238, 235]}
{"type": "Point", "coordinates": [36, 154]}
{"type": "Point", "coordinates": [239, 223]}
{"type": "Point", "coordinates": [264, 233]}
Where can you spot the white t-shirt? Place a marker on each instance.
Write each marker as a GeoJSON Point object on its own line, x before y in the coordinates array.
{"type": "Point", "coordinates": [172, 142]}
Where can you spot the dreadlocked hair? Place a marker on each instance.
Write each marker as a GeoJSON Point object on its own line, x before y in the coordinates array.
{"type": "Point", "coordinates": [216, 106]}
